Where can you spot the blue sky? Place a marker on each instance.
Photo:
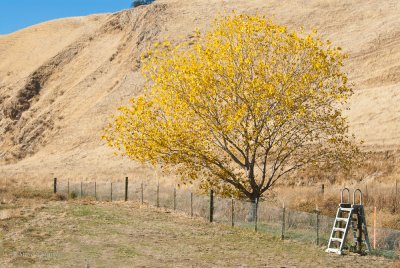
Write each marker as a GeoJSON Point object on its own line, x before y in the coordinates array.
{"type": "Point", "coordinates": [18, 14]}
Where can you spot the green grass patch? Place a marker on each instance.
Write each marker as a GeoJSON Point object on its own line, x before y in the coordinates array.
{"type": "Point", "coordinates": [127, 251]}
{"type": "Point", "coordinates": [83, 211]}
{"type": "Point", "coordinates": [389, 254]}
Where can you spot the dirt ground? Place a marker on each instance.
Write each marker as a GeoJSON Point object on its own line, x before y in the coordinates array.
{"type": "Point", "coordinates": [127, 234]}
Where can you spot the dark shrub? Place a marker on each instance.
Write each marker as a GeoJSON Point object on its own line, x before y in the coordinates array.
{"type": "Point", "coordinates": [137, 3]}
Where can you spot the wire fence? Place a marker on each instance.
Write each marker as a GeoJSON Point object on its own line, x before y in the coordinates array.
{"type": "Point", "coordinates": [312, 228]}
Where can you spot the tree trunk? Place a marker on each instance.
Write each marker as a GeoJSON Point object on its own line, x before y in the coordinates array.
{"type": "Point", "coordinates": [251, 216]}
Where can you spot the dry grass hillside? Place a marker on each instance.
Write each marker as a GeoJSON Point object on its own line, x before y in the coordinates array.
{"type": "Point", "coordinates": [61, 80]}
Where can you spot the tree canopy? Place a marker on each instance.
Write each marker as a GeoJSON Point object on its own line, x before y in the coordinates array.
{"type": "Point", "coordinates": [240, 107]}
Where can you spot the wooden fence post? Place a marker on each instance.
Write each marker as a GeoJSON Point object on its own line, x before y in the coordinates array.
{"type": "Point", "coordinates": [283, 222]}
{"type": "Point", "coordinates": [141, 189]}
{"type": "Point", "coordinates": [233, 212]}
{"type": "Point", "coordinates": [126, 188]}
{"type": "Point", "coordinates": [174, 198]}
{"type": "Point", "coordinates": [211, 205]}
{"type": "Point", "coordinates": [111, 197]}
{"type": "Point", "coordinates": [191, 204]}
{"type": "Point", "coordinates": [81, 190]}
{"type": "Point", "coordinates": [68, 188]}
{"type": "Point", "coordinates": [55, 185]}
{"type": "Point", "coordinates": [323, 188]}
{"type": "Point", "coordinates": [395, 198]}
{"type": "Point", "coordinates": [95, 190]}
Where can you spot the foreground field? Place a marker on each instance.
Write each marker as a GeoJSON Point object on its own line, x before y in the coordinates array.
{"type": "Point", "coordinates": [125, 234]}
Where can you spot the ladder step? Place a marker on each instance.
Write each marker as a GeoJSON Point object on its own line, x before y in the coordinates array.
{"type": "Point", "coordinates": [332, 250]}
{"type": "Point", "coordinates": [346, 209]}
{"type": "Point", "coordinates": [337, 239]}
{"type": "Point", "coordinates": [339, 229]}
{"type": "Point", "coordinates": [342, 219]}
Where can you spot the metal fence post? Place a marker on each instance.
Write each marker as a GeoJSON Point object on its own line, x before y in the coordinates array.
{"type": "Point", "coordinates": [374, 242]}
{"type": "Point", "coordinates": [233, 212]}
{"type": "Point", "coordinates": [283, 222]}
{"type": "Point", "coordinates": [211, 205]}
{"type": "Point", "coordinates": [255, 214]}
{"type": "Point", "coordinates": [81, 190]}
{"type": "Point", "coordinates": [55, 185]}
{"type": "Point", "coordinates": [317, 211]}
{"type": "Point", "coordinates": [95, 190]}
{"type": "Point", "coordinates": [126, 188]}
{"type": "Point", "coordinates": [111, 197]}
{"type": "Point", "coordinates": [158, 194]}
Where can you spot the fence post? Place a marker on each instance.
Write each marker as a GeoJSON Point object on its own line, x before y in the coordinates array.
{"type": "Point", "coordinates": [191, 204]}
{"type": "Point", "coordinates": [395, 198]}
{"type": "Point", "coordinates": [158, 194]}
{"type": "Point", "coordinates": [141, 189]}
{"type": "Point", "coordinates": [233, 212]}
{"type": "Point", "coordinates": [174, 198]}
{"type": "Point", "coordinates": [317, 211]}
{"type": "Point", "coordinates": [111, 197]}
{"type": "Point", "coordinates": [374, 227]}
{"type": "Point", "coordinates": [126, 188]}
{"type": "Point", "coordinates": [283, 222]}
{"type": "Point", "coordinates": [256, 215]}
{"type": "Point", "coordinates": [68, 188]}
{"type": "Point", "coordinates": [323, 188]}
{"type": "Point", "coordinates": [81, 190]}
{"type": "Point", "coordinates": [211, 205]}
{"type": "Point", "coordinates": [95, 190]}
{"type": "Point", "coordinates": [55, 185]}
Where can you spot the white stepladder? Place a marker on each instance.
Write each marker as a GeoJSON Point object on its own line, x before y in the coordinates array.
{"type": "Point", "coordinates": [349, 216]}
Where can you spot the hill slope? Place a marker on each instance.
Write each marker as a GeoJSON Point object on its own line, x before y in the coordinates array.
{"type": "Point", "coordinates": [60, 80]}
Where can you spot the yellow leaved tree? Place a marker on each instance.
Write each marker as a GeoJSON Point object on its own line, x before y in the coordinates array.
{"type": "Point", "coordinates": [239, 108]}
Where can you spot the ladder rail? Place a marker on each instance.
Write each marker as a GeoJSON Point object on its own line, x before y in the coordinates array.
{"type": "Point", "coordinates": [354, 197]}
{"type": "Point", "coordinates": [333, 229]}
{"type": "Point", "coordinates": [349, 219]}
{"type": "Point", "coordinates": [354, 229]}
{"type": "Point", "coordinates": [348, 195]}
{"type": "Point", "coordinates": [366, 240]}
